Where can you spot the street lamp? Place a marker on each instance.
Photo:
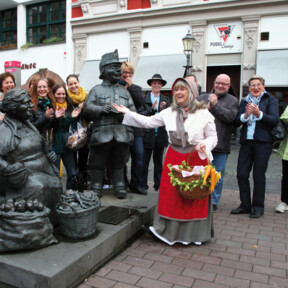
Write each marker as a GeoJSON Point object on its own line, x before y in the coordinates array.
{"type": "Point", "coordinates": [188, 43]}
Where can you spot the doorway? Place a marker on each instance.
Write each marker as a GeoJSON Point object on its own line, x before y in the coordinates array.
{"type": "Point", "coordinates": [232, 71]}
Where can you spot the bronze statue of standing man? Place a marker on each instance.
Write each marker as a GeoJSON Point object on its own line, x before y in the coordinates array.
{"type": "Point", "coordinates": [110, 140]}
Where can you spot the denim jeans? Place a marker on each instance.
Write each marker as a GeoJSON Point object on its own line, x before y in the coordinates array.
{"type": "Point", "coordinates": [219, 162]}
{"type": "Point", "coordinates": [137, 157]}
{"type": "Point", "coordinates": [69, 164]}
{"type": "Point", "coordinates": [158, 165]}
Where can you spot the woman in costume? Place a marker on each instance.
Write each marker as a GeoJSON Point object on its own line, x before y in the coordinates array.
{"type": "Point", "coordinates": [189, 125]}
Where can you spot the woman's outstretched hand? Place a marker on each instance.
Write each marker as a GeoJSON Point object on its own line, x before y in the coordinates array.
{"type": "Point", "coordinates": [200, 147]}
{"type": "Point", "coordinates": [121, 108]}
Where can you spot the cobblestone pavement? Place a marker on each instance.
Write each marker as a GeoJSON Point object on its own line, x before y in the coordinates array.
{"type": "Point", "coordinates": [246, 253]}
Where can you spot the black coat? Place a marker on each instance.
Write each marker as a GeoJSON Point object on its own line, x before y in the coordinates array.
{"type": "Point", "coordinates": [138, 99]}
{"type": "Point", "coordinates": [270, 108]}
{"type": "Point", "coordinates": [149, 139]}
{"type": "Point", "coordinates": [225, 112]}
{"type": "Point", "coordinates": [39, 119]}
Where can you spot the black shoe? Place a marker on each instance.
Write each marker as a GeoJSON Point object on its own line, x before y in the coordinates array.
{"type": "Point", "coordinates": [240, 210]}
{"type": "Point", "coordinates": [120, 194]}
{"type": "Point", "coordinates": [139, 191]}
{"type": "Point", "coordinates": [214, 207]}
{"type": "Point", "coordinates": [146, 229]}
{"type": "Point", "coordinates": [256, 214]}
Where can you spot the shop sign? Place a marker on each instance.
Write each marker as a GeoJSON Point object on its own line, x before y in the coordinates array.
{"type": "Point", "coordinates": [224, 38]}
{"type": "Point", "coordinates": [28, 66]}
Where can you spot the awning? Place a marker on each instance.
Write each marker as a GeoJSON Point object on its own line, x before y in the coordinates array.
{"type": "Point", "coordinates": [272, 66]}
{"type": "Point", "coordinates": [89, 75]}
{"type": "Point", "coordinates": [169, 67]}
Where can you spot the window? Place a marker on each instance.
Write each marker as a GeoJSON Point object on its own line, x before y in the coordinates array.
{"type": "Point", "coordinates": [8, 28]}
{"type": "Point", "coordinates": [46, 22]}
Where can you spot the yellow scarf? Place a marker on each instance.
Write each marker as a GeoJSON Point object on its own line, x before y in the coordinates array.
{"type": "Point", "coordinates": [80, 97]}
{"type": "Point", "coordinates": [61, 105]}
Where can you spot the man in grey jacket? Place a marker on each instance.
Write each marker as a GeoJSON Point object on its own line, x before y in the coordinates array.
{"type": "Point", "coordinates": [224, 108]}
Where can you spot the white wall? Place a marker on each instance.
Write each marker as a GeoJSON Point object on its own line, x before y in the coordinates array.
{"type": "Point", "coordinates": [277, 28]}
{"type": "Point", "coordinates": [51, 57]}
{"type": "Point", "coordinates": [100, 44]}
{"type": "Point", "coordinates": [164, 40]}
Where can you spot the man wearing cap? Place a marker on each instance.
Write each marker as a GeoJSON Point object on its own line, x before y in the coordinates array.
{"type": "Point", "coordinates": [109, 140]}
{"type": "Point", "coordinates": [154, 140]}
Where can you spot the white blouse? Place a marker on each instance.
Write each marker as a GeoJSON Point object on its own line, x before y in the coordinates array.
{"type": "Point", "coordinates": [200, 126]}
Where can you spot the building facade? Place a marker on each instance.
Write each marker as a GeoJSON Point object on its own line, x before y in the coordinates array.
{"type": "Point", "coordinates": [237, 37]}
{"type": "Point", "coordinates": [36, 33]}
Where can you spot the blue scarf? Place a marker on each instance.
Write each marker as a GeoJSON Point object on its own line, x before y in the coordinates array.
{"type": "Point", "coordinates": [254, 100]}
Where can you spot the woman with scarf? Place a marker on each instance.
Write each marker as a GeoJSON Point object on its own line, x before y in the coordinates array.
{"type": "Point", "coordinates": [65, 115]}
{"type": "Point", "coordinates": [44, 106]}
{"type": "Point", "coordinates": [189, 125]}
{"type": "Point", "coordinates": [79, 95]}
{"type": "Point", "coordinates": [257, 114]}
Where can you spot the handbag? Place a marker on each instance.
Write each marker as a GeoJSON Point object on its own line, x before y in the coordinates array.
{"type": "Point", "coordinates": [279, 131]}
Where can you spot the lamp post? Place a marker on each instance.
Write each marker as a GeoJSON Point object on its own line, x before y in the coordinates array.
{"type": "Point", "coordinates": [188, 43]}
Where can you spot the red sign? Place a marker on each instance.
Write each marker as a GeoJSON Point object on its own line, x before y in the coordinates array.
{"type": "Point", "coordinates": [12, 64]}
{"type": "Point", "coordinates": [11, 70]}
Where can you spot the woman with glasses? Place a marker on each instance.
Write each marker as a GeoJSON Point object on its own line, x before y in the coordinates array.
{"type": "Point", "coordinates": [258, 113]}
{"type": "Point", "coordinates": [44, 106]}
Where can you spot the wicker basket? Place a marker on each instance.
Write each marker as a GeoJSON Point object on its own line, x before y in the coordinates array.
{"type": "Point", "coordinates": [196, 193]}
{"type": "Point", "coordinates": [78, 224]}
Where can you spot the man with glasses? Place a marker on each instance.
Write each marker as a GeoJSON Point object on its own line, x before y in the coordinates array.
{"type": "Point", "coordinates": [224, 108]}
{"type": "Point", "coordinates": [137, 149]}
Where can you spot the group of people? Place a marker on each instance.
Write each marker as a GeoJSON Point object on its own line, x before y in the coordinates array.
{"type": "Point", "coordinates": [55, 109]}
{"type": "Point", "coordinates": [191, 123]}
{"type": "Point", "coordinates": [203, 122]}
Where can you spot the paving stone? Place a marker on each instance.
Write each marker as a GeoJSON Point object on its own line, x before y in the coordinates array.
{"type": "Point", "coordinates": [218, 269]}
{"type": "Point", "coordinates": [149, 283]}
{"type": "Point", "coordinates": [150, 273]}
{"type": "Point", "coordinates": [99, 282]}
{"type": "Point", "coordinates": [177, 279]}
{"type": "Point", "coordinates": [199, 274]}
{"type": "Point", "coordinates": [134, 252]}
{"type": "Point", "coordinates": [188, 263]}
{"type": "Point", "coordinates": [232, 281]}
{"type": "Point", "coordinates": [236, 265]}
{"type": "Point", "coordinates": [269, 271]}
{"type": "Point", "coordinates": [119, 266]}
{"type": "Point", "coordinates": [138, 262]}
{"type": "Point", "coordinates": [167, 268]}
{"type": "Point", "coordinates": [278, 282]}
{"type": "Point", "coordinates": [123, 277]}
{"type": "Point", "coordinates": [157, 257]}
{"type": "Point", "coordinates": [257, 277]}
{"type": "Point", "coordinates": [205, 284]}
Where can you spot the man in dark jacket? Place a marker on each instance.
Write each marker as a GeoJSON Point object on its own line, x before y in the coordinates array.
{"type": "Point", "coordinates": [137, 149]}
{"type": "Point", "coordinates": [155, 140]}
{"type": "Point", "coordinates": [224, 108]}
{"type": "Point", "coordinates": [109, 140]}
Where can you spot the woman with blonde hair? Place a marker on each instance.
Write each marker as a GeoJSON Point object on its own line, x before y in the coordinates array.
{"type": "Point", "coordinates": [78, 95]}
{"type": "Point", "coordinates": [189, 125]}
